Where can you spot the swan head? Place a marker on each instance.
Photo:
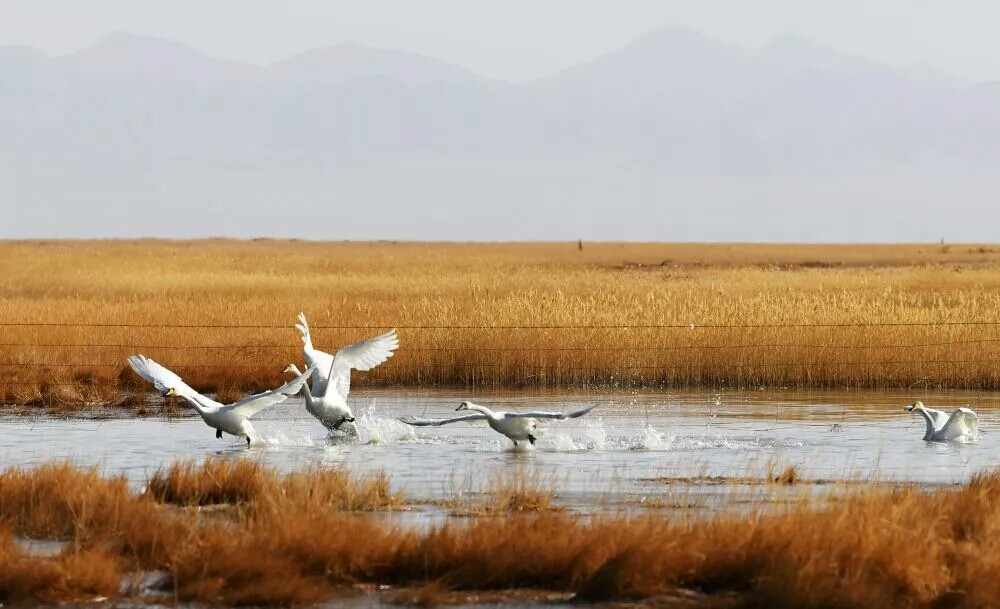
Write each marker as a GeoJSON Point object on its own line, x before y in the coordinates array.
{"type": "Point", "coordinates": [463, 406]}
{"type": "Point", "coordinates": [291, 368]}
{"type": "Point", "coordinates": [914, 406]}
{"type": "Point", "coordinates": [169, 392]}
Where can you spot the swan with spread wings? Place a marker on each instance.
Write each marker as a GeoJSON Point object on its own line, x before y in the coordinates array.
{"type": "Point", "coordinates": [331, 375]}
{"type": "Point", "coordinates": [962, 425]}
{"type": "Point", "coordinates": [518, 426]}
{"type": "Point", "coordinates": [230, 418]}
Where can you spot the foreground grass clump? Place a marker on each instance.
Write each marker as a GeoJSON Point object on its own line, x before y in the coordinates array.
{"type": "Point", "coordinates": [543, 314]}
{"type": "Point", "coordinates": [238, 481]}
{"type": "Point", "coordinates": [870, 548]}
{"type": "Point", "coordinates": [216, 481]}
{"type": "Point", "coordinates": [70, 576]}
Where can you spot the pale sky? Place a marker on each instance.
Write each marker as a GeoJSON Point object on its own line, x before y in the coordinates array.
{"type": "Point", "coordinates": [520, 39]}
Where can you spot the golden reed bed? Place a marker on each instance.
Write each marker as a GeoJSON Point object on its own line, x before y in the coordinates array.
{"type": "Point", "coordinates": [310, 537]}
{"type": "Point", "coordinates": [522, 314]}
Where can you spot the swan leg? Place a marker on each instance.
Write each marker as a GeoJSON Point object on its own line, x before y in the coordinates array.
{"type": "Point", "coordinates": [218, 433]}
{"type": "Point", "coordinates": [342, 421]}
{"type": "Point", "coordinates": [532, 439]}
{"type": "Point", "coordinates": [248, 441]}
{"type": "Point", "coordinates": [515, 443]}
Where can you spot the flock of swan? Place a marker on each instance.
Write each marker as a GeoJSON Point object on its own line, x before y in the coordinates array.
{"type": "Point", "coordinates": [330, 377]}
{"type": "Point", "coordinates": [326, 397]}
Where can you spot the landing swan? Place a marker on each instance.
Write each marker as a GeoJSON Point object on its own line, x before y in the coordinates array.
{"type": "Point", "coordinates": [518, 426]}
{"type": "Point", "coordinates": [961, 425]}
{"type": "Point", "coordinates": [331, 374]}
{"type": "Point", "coordinates": [229, 418]}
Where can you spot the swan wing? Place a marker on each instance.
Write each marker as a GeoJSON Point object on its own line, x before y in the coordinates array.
{"type": "Point", "coordinates": [164, 380]}
{"type": "Point", "coordinates": [314, 357]}
{"type": "Point", "coordinates": [364, 355]}
{"type": "Point", "coordinates": [476, 416]}
{"type": "Point", "coordinates": [962, 422]}
{"type": "Point", "coordinates": [249, 406]}
{"type": "Point", "coordinates": [939, 417]}
{"type": "Point", "coordinates": [541, 414]}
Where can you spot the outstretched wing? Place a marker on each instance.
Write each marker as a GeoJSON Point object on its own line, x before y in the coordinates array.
{"type": "Point", "coordinates": [938, 417]}
{"type": "Point", "coordinates": [476, 416]}
{"type": "Point", "coordinates": [314, 357]}
{"type": "Point", "coordinates": [962, 423]}
{"type": "Point", "coordinates": [540, 414]}
{"type": "Point", "coordinates": [253, 404]}
{"type": "Point", "coordinates": [364, 355]}
{"type": "Point", "coordinates": [164, 380]}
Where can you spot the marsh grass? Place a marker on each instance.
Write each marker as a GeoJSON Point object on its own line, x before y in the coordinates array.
{"type": "Point", "coordinates": [505, 495]}
{"type": "Point", "coordinates": [489, 315]}
{"type": "Point", "coordinates": [243, 482]}
{"type": "Point", "coordinates": [70, 576]}
{"type": "Point", "coordinates": [903, 547]}
{"type": "Point", "coordinates": [215, 481]}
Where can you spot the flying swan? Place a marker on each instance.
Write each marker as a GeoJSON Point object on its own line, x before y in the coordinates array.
{"type": "Point", "coordinates": [331, 375]}
{"type": "Point", "coordinates": [229, 418]}
{"type": "Point", "coordinates": [518, 426]}
{"type": "Point", "coordinates": [961, 425]}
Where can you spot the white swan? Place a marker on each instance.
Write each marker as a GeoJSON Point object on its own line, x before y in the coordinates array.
{"type": "Point", "coordinates": [229, 418]}
{"type": "Point", "coordinates": [331, 375]}
{"type": "Point", "coordinates": [961, 425]}
{"type": "Point", "coordinates": [518, 426]}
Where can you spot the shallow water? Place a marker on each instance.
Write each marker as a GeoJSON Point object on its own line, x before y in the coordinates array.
{"type": "Point", "coordinates": [633, 450]}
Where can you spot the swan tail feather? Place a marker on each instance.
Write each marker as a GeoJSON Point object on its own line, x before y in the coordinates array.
{"type": "Point", "coordinates": [303, 327]}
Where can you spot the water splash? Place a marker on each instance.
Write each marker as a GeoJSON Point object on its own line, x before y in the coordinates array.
{"type": "Point", "coordinates": [564, 443]}
{"type": "Point", "coordinates": [280, 438]}
{"type": "Point", "coordinates": [376, 429]}
{"type": "Point", "coordinates": [652, 440]}
{"type": "Point", "coordinates": [596, 434]}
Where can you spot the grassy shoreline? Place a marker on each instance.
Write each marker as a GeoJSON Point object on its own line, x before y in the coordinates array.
{"type": "Point", "coordinates": [236, 533]}
{"type": "Point", "coordinates": [497, 315]}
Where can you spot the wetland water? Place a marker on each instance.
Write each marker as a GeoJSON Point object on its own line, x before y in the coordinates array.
{"type": "Point", "coordinates": [637, 448]}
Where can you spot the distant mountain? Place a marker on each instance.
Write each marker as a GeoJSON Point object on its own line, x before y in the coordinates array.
{"type": "Point", "coordinates": [672, 117]}
{"type": "Point", "coordinates": [122, 57]}
{"type": "Point", "coordinates": [351, 61]}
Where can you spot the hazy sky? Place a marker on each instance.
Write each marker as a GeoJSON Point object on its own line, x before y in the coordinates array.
{"type": "Point", "coordinates": [520, 39]}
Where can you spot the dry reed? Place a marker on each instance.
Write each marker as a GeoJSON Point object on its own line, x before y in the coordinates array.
{"type": "Point", "coordinates": [900, 548]}
{"type": "Point", "coordinates": [238, 481]}
{"type": "Point", "coordinates": [497, 314]}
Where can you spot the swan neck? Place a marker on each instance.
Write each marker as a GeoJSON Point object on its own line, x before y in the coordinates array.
{"type": "Point", "coordinates": [482, 410]}
{"type": "Point", "coordinates": [929, 421]}
{"type": "Point", "coordinates": [193, 401]}
{"type": "Point", "coordinates": [307, 395]}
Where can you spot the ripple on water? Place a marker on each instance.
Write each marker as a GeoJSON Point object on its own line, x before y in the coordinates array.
{"type": "Point", "coordinates": [594, 456]}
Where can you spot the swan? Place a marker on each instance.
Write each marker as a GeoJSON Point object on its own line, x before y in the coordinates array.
{"type": "Point", "coordinates": [518, 426]}
{"type": "Point", "coordinates": [229, 418]}
{"type": "Point", "coordinates": [331, 374]}
{"type": "Point", "coordinates": [961, 425]}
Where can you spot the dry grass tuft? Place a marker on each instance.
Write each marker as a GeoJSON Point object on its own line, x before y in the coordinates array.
{"type": "Point", "coordinates": [335, 489]}
{"type": "Point", "coordinates": [789, 475]}
{"type": "Point", "coordinates": [70, 576]}
{"type": "Point", "coordinates": [215, 481]}
{"type": "Point", "coordinates": [238, 481]}
{"type": "Point", "coordinates": [61, 501]}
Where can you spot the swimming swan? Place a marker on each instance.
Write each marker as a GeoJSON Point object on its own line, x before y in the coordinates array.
{"type": "Point", "coordinates": [229, 418]}
{"type": "Point", "coordinates": [961, 425]}
{"type": "Point", "coordinates": [518, 426]}
{"type": "Point", "coordinates": [331, 375]}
